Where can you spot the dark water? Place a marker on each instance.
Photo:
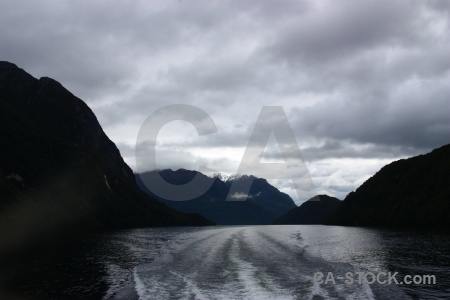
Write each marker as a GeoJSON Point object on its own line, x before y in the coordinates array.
{"type": "Point", "coordinates": [242, 262]}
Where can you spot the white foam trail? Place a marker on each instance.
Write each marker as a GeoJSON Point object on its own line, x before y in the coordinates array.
{"type": "Point", "coordinates": [254, 285]}
{"type": "Point", "coordinates": [241, 263]}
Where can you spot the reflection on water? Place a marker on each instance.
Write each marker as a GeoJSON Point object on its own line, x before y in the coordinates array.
{"type": "Point", "coordinates": [235, 262]}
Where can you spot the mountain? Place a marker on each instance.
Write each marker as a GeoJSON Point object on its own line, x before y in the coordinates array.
{"type": "Point", "coordinates": [264, 204]}
{"type": "Point", "coordinates": [314, 211]}
{"type": "Point", "coordinates": [58, 169]}
{"type": "Point", "coordinates": [408, 192]}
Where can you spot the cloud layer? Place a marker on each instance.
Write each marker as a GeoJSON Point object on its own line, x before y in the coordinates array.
{"type": "Point", "coordinates": [362, 82]}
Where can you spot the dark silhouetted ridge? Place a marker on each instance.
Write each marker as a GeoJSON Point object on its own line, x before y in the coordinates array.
{"type": "Point", "coordinates": [314, 211]}
{"type": "Point", "coordinates": [58, 169]}
{"type": "Point", "coordinates": [408, 192]}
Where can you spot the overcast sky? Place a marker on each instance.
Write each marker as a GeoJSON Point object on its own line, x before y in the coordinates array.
{"type": "Point", "coordinates": [363, 83]}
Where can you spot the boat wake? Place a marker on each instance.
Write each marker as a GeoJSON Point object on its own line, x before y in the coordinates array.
{"type": "Point", "coordinates": [242, 263]}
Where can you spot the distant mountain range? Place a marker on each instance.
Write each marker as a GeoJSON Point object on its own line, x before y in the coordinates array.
{"type": "Point", "coordinates": [264, 204]}
{"type": "Point", "coordinates": [314, 211]}
{"type": "Point", "coordinates": [59, 170]}
{"type": "Point", "coordinates": [408, 192]}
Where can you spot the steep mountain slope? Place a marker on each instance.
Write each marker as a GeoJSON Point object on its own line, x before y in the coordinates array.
{"type": "Point", "coordinates": [314, 211]}
{"type": "Point", "coordinates": [408, 192]}
{"type": "Point", "coordinates": [265, 203]}
{"type": "Point", "coordinates": [58, 169]}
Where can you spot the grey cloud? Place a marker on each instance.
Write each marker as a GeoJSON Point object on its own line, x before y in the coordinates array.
{"type": "Point", "coordinates": [214, 74]}
{"type": "Point", "coordinates": [406, 117]}
{"type": "Point", "coordinates": [220, 139]}
{"type": "Point", "coordinates": [92, 46]}
{"type": "Point", "coordinates": [339, 149]}
{"type": "Point", "coordinates": [358, 79]}
{"type": "Point", "coordinates": [341, 31]}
